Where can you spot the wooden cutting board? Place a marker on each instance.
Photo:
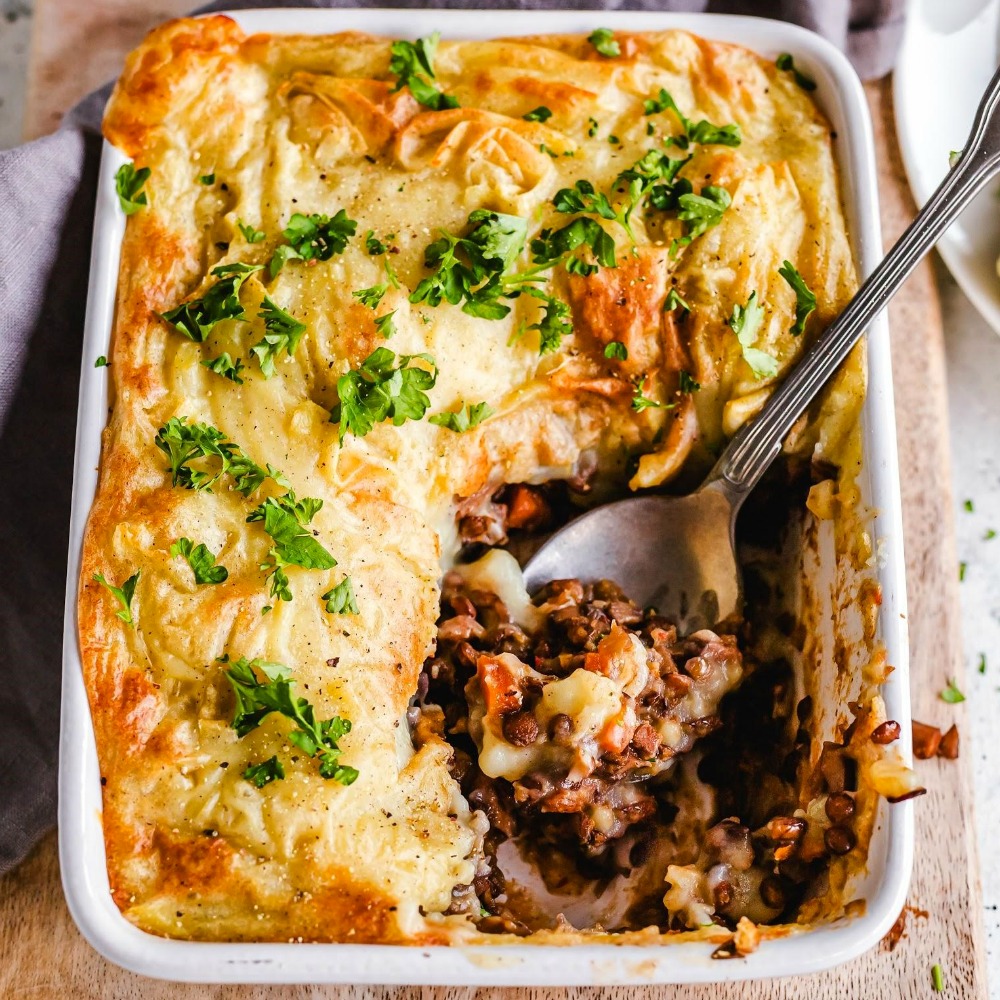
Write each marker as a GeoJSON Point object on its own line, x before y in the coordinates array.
{"type": "Point", "coordinates": [77, 47]}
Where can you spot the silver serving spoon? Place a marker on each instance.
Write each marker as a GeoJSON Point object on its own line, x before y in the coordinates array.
{"type": "Point", "coordinates": [678, 553]}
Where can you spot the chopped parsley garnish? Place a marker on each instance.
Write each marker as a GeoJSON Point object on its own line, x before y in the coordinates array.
{"type": "Point", "coordinates": [384, 325]}
{"type": "Point", "coordinates": [184, 443]}
{"type": "Point", "coordinates": [101, 362]}
{"type": "Point", "coordinates": [128, 186]}
{"type": "Point", "coordinates": [937, 978]}
{"type": "Point", "coordinates": [225, 366]}
{"type": "Point", "coordinates": [592, 127]}
{"type": "Point", "coordinates": [968, 506]}
{"type": "Point", "coordinates": [555, 322]}
{"type": "Point", "coordinates": [637, 181]}
{"type": "Point", "coordinates": [464, 418]}
{"type": "Point", "coordinates": [786, 63]}
{"type": "Point", "coordinates": [614, 140]}
{"type": "Point", "coordinates": [745, 322]}
{"type": "Point", "coordinates": [340, 599]}
{"type": "Point", "coordinates": [989, 535]}
{"type": "Point", "coordinates": [256, 699]}
{"type": "Point", "coordinates": [413, 65]}
{"type": "Point", "coordinates": [686, 382]}
{"type": "Point", "coordinates": [604, 41]}
{"type": "Point", "coordinates": [468, 269]}
{"type": "Point", "coordinates": [313, 237]}
{"type": "Point", "coordinates": [616, 350]}
{"type": "Point", "coordinates": [951, 694]}
{"type": "Point", "coordinates": [265, 772]}
{"type": "Point", "coordinates": [962, 567]}
{"type": "Point", "coordinates": [285, 520]}
{"type": "Point", "coordinates": [642, 402]}
{"type": "Point", "coordinates": [201, 561]}
{"type": "Point", "coordinates": [703, 132]}
{"type": "Point", "coordinates": [552, 246]}
{"type": "Point", "coordinates": [207, 178]}
{"type": "Point", "coordinates": [379, 389]}
{"type": "Point", "coordinates": [540, 114]}
{"type": "Point", "coordinates": [371, 297]}
{"type": "Point", "coordinates": [122, 594]}
{"type": "Point", "coordinates": [982, 663]}
{"type": "Point", "coordinates": [376, 248]}
{"type": "Point", "coordinates": [674, 301]}
{"type": "Point", "coordinates": [282, 332]}
{"type": "Point", "coordinates": [700, 212]}
{"type": "Point", "coordinates": [250, 234]}
{"type": "Point", "coordinates": [197, 318]}
{"type": "Point", "coordinates": [805, 301]}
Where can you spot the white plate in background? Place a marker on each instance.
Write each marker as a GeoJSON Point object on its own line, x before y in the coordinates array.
{"type": "Point", "coordinates": [951, 48]}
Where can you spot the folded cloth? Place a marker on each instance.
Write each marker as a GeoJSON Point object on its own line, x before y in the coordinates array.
{"type": "Point", "coordinates": [47, 191]}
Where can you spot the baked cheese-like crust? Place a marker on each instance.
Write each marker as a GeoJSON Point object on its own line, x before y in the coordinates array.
{"type": "Point", "coordinates": [313, 124]}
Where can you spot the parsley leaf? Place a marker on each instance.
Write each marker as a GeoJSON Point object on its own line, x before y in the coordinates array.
{"type": "Point", "coordinates": [785, 62]}
{"type": "Point", "coordinates": [592, 127]}
{"type": "Point", "coordinates": [687, 383]}
{"type": "Point", "coordinates": [603, 40]}
{"type": "Point", "coordinates": [703, 132]}
{"type": "Point", "coordinates": [673, 300]}
{"type": "Point", "coordinates": [540, 114]}
{"type": "Point", "coordinates": [637, 180]}
{"type": "Point", "coordinates": [982, 663]}
{"type": "Point", "coordinates": [282, 332]}
{"type": "Point", "coordinates": [256, 699]}
{"type": "Point", "coordinates": [101, 362]}
{"type": "Point", "coordinates": [123, 594]}
{"type": "Point", "coordinates": [700, 212]}
{"type": "Point", "coordinates": [340, 599]}
{"type": "Point", "coordinates": [641, 402]}
{"type": "Point", "coordinates": [371, 297]}
{"type": "Point", "coordinates": [265, 772]}
{"type": "Point", "coordinates": [464, 418]}
{"type": "Point", "coordinates": [184, 443]}
{"type": "Point", "coordinates": [201, 561]}
{"type": "Point", "coordinates": [551, 246]}
{"type": "Point", "coordinates": [377, 391]}
{"type": "Point", "coordinates": [805, 301]}
{"type": "Point", "coordinates": [745, 322]}
{"type": "Point", "coordinates": [207, 178]}
{"type": "Point", "coordinates": [250, 234]}
{"type": "Point", "coordinates": [951, 694]}
{"type": "Point", "coordinates": [197, 317]}
{"type": "Point", "coordinates": [962, 567]}
{"type": "Point", "coordinates": [413, 65]}
{"type": "Point", "coordinates": [968, 506]}
{"type": "Point", "coordinates": [128, 187]}
{"type": "Point", "coordinates": [384, 324]}
{"type": "Point", "coordinates": [468, 269]}
{"type": "Point", "coordinates": [376, 248]}
{"type": "Point", "coordinates": [285, 520]}
{"type": "Point", "coordinates": [225, 366]}
{"type": "Point", "coordinates": [554, 324]}
{"type": "Point", "coordinates": [616, 350]}
{"type": "Point", "coordinates": [313, 237]}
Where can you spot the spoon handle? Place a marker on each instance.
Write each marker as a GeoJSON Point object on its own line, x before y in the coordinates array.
{"type": "Point", "coordinates": [758, 443]}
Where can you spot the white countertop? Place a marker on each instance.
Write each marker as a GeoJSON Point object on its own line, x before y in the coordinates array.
{"type": "Point", "coordinates": [973, 352]}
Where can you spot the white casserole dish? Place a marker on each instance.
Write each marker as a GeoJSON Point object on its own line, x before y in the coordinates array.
{"type": "Point", "coordinates": [884, 885]}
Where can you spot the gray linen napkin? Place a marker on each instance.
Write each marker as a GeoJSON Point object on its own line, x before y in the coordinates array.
{"type": "Point", "coordinates": [47, 199]}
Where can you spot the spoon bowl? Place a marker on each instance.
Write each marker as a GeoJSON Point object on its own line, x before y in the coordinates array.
{"type": "Point", "coordinates": [672, 553]}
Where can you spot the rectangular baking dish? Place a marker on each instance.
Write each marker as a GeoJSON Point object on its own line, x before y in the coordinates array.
{"type": "Point", "coordinates": [883, 886]}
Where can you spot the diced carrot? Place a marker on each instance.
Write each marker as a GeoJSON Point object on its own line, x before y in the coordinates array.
{"type": "Point", "coordinates": [499, 685]}
{"type": "Point", "coordinates": [527, 508]}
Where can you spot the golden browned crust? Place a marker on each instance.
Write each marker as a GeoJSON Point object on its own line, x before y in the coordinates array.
{"type": "Point", "coordinates": [313, 124]}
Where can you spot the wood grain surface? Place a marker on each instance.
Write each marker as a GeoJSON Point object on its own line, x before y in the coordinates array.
{"type": "Point", "coordinates": [77, 47]}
